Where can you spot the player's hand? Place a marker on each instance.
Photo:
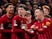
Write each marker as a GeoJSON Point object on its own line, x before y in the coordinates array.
{"type": "Point", "coordinates": [44, 26]}
{"type": "Point", "coordinates": [30, 31]}
{"type": "Point", "coordinates": [23, 26]}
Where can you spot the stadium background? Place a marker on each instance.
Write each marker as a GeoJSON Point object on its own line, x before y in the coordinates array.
{"type": "Point", "coordinates": [28, 3]}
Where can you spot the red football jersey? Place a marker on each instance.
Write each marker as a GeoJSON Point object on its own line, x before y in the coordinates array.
{"type": "Point", "coordinates": [7, 22]}
{"type": "Point", "coordinates": [30, 24]}
{"type": "Point", "coordinates": [43, 28]}
{"type": "Point", "coordinates": [17, 21]}
{"type": "Point", "coordinates": [30, 34]}
{"type": "Point", "coordinates": [16, 25]}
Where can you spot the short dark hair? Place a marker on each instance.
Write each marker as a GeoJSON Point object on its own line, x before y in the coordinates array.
{"type": "Point", "coordinates": [6, 5]}
{"type": "Point", "coordinates": [22, 7]}
{"type": "Point", "coordinates": [40, 8]}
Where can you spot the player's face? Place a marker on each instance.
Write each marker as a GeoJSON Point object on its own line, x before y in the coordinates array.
{"type": "Point", "coordinates": [21, 11]}
{"type": "Point", "coordinates": [10, 9]}
{"type": "Point", "coordinates": [28, 16]}
{"type": "Point", "coordinates": [46, 12]}
{"type": "Point", "coordinates": [38, 14]}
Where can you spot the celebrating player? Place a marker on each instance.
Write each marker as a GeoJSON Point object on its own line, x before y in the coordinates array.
{"type": "Point", "coordinates": [42, 25]}
{"type": "Point", "coordinates": [6, 20]}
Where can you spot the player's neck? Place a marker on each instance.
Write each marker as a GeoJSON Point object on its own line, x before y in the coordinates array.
{"type": "Point", "coordinates": [9, 15]}
{"type": "Point", "coordinates": [42, 18]}
{"type": "Point", "coordinates": [29, 21]}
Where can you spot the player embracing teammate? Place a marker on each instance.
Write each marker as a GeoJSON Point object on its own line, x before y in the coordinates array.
{"type": "Point", "coordinates": [22, 26]}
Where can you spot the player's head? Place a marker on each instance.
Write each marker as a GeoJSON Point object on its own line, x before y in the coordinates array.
{"type": "Point", "coordinates": [9, 8]}
{"type": "Point", "coordinates": [38, 13]}
{"type": "Point", "coordinates": [46, 10]}
{"type": "Point", "coordinates": [28, 15]}
{"type": "Point", "coordinates": [21, 11]}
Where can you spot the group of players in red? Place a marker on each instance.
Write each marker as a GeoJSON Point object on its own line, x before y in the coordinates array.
{"type": "Point", "coordinates": [22, 26]}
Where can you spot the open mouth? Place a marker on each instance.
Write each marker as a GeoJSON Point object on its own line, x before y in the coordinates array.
{"type": "Point", "coordinates": [10, 13]}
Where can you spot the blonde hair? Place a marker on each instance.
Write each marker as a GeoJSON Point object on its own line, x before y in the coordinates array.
{"type": "Point", "coordinates": [46, 6]}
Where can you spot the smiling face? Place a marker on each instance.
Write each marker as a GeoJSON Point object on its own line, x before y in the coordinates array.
{"type": "Point", "coordinates": [10, 9]}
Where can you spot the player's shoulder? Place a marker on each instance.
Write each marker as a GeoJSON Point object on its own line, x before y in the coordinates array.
{"type": "Point", "coordinates": [16, 17]}
{"type": "Point", "coordinates": [4, 16]}
{"type": "Point", "coordinates": [48, 19]}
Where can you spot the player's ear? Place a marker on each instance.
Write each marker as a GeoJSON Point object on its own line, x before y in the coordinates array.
{"type": "Point", "coordinates": [7, 9]}
{"type": "Point", "coordinates": [31, 16]}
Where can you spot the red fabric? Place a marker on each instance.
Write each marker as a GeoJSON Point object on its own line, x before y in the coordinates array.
{"type": "Point", "coordinates": [0, 35]}
{"type": "Point", "coordinates": [29, 35]}
{"type": "Point", "coordinates": [4, 20]}
{"type": "Point", "coordinates": [18, 20]}
{"type": "Point", "coordinates": [13, 36]}
{"type": "Point", "coordinates": [30, 24]}
{"type": "Point", "coordinates": [45, 33]}
{"type": "Point", "coordinates": [19, 32]}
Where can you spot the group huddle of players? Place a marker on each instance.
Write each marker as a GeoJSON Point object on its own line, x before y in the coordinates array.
{"type": "Point", "coordinates": [22, 26]}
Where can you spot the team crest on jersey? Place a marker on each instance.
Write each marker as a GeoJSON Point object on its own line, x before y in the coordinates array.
{"type": "Point", "coordinates": [43, 25]}
{"type": "Point", "coordinates": [15, 24]}
{"type": "Point", "coordinates": [48, 23]}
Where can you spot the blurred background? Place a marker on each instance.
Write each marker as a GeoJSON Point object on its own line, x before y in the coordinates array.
{"type": "Point", "coordinates": [29, 4]}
